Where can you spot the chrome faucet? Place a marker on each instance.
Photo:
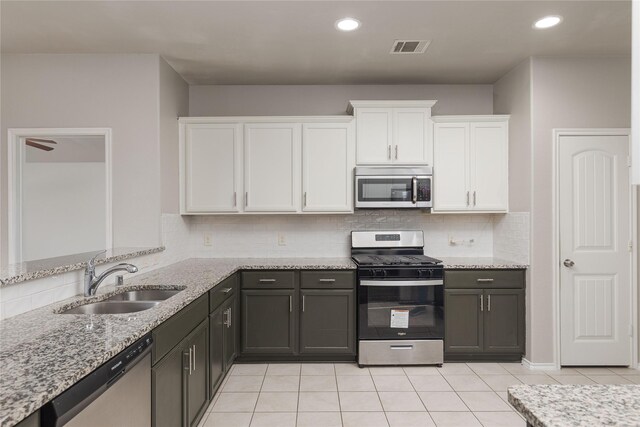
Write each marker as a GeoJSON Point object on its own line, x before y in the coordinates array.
{"type": "Point", "coordinates": [91, 281]}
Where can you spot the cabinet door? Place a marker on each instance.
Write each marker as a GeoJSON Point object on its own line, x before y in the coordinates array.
{"type": "Point", "coordinates": [212, 167]}
{"type": "Point", "coordinates": [327, 321]}
{"type": "Point", "coordinates": [411, 136]}
{"type": "Point", "coordinates": [373, 135]}
{"type": "Point", "coordinates": [268, 321]}
{"type": "Point", "coordinates": [328, 158]}
{"type": "Point", "coordinates": [197, 381]}
{"type": "Point", "coordinates": [504, 321]}
{"type": "Point", "coordinates": [450, 167]}
{"type": "Point", "coordinates": [168, 390]}
{"type": "Point", "coordinates": [489, 166]}
{"type": "Point", "coordinates": [272, 167]}
{"type": "Point", "coordinates": [463, 326]}
{"type": "Point", "coordinates": [230, 324]}
{"type": "Point", "coordinates": [216, 349]}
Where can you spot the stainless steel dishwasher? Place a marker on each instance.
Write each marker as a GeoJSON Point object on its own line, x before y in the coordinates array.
{"type": "Point", "coordinates": [118, 393]}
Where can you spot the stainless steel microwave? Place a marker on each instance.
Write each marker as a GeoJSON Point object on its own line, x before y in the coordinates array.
{"type": "Point", "coordinates": [393, 187]}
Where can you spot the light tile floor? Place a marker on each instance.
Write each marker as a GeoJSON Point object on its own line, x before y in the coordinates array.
{"type": "Point", "coordinates": [341, 394]}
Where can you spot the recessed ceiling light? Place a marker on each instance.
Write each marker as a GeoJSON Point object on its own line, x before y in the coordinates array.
{"type": "Point", "coordinates": [347, 24]}
{"type": "Point", "coordinates": [547, 22]}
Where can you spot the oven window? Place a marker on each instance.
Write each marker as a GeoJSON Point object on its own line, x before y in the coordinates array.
{"type": "Point", "coordinates": [384, 189]}
{"type": "Point", "coordinates": [401, 312]}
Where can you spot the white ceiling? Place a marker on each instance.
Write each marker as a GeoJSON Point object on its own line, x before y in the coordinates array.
{"type": "Point", "coordinates": [295, 42]}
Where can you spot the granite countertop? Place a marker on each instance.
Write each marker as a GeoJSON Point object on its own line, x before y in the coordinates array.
{"type": "Point", "coordinates": [30, 270]}
{"type": "Point", "coordinates": [43, 353]}
{"type": "Point", "coordinates": [478, 263]}
{"type": "Point", "coordinates": [577, 405]}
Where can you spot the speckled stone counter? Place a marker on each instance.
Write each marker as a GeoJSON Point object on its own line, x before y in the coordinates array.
{"type": "Point", "coordinates": [478, 263]}
{"type": "Point", "coordinates": [31, 270]}
{"type": "Point", "coordinates": [43, 353]}
{"type": "Point", "coordinates": [577, 405]}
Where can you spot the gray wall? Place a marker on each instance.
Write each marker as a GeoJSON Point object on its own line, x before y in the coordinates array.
{"type": "Point", "coordinates": [174, 102]}
{"type": "Point", "coordinates": [566, 93]}
{"type": "Point", "coordinates": [512, 95]}
{"type": "Point", "coordinates": [115, 91]}
{"type": "Point", "coordinates": [302, 100]}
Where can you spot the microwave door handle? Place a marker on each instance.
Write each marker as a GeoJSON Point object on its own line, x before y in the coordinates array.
{"type": "Point", "coordinates": [414, 188]}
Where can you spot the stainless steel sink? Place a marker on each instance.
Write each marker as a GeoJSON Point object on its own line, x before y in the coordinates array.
{"type": "Point", "coordinates": [112, 307]}
{"type": "Point", "coordinates": [145, 295]}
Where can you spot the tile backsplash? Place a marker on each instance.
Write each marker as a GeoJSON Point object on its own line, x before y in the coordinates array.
{"type": "Point", "coordinates": [329, 235]}
{"type": "Point", "coordinates": [511, 236]}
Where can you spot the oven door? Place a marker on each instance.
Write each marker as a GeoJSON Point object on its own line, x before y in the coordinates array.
{"type": "Point", "coordinates": [393, 191]}
{"type": "Point", "coordinates": [401, 309]}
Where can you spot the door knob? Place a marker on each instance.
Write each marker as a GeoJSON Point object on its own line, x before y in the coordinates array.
{"type": "Point", "coordinates": [568, 263]}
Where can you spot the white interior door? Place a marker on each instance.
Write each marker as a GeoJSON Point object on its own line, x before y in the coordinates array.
{"type": "Point", "coordinates": [595, 276]}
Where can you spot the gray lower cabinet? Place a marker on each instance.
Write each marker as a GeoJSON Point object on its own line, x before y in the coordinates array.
{"type": "Point", "coordinates": [484, 315]}
{"type": "Point", "coordinates": [327, 321]}
{"type": "Point", "coordinates": [223, 321]}
{"type": "Point", "coordinates": [268, 321]}
{"type": "Point", "coordinates": [179, 375]}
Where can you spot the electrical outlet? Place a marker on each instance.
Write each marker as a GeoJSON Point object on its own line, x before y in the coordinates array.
{"type": "Point", "coordinates": [207, 239]}
{"type": "Point", "coordinates": [282, 241]}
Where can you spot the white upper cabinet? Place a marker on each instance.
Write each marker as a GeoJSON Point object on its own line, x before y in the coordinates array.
{"type": "Point", "coordinates": [328, 159]}
{"type": "Point", "coordinates": [272, 167]}
{"type": "Point", "coordinates": [211, 172]}
{"type": "Point", "coordinates": [393, 132]}
{"type": "Point", "coordinates": [470, 171]}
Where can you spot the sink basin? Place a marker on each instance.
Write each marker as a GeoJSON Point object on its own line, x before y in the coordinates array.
{"type": "Point", "coordinates": [145, 295]}
{"type": "Point", "coordinates": [112, 307]}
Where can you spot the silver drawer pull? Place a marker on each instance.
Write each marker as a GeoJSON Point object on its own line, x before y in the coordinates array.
{"type": "Point", "coordinates": [226, 290]}
{"type": "Point", "coordinates": [401, 347]}
{"type": "Point", "coordinates": [267, 280]}
{"type": "Point", "coordinates": [484, 280]}
{"type": "Point", "coordinates": [327, 280]}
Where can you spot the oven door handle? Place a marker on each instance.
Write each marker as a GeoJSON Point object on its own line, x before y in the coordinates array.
{"type": "Point", "coordinates": [400, 283]}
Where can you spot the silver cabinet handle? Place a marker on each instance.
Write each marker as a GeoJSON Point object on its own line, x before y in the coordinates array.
{"type": "Point", "coordinates": [267, 280]}
{"type": "Point", "coordinates": [190, 359]}
{"type": "Point", "coordinates": [396, 152]}
{"type": "Point", "coordinates": [488, 302]}
{"type": "Point", "coordinates": [226, 290]}
{"type": "Point", "coordinates": [474, 197]}
{"type": "Point", "coordinates": [194, 358]}
{"type": "Point", "coordinates": [187, 367]}
{"type": "Point", "coordinates": [389, 152]}
{"type": "Point", "coordinates": [327, 280]}
{"type": "Point", "coordinates": [225, 322]}
{"type": "Point", "coordinates": [305, 199]}
{"type": "Point", "coordinates": [235, 199]}
{"type": "Point", "coordinates": [230, 317]}
{"type": "Point", "coordinates": [568, 263]}
{"type": "Point", "coordinates": [467, 198]}
{"type": "Point", "coordinates": [290, 304]}
{"type": "Point", "coordinates": [246, 198]}
{"type": "Point", "coordinates": [481, 304]}
{"type": "Point", "coordinates": [302, 302]}
{"type": "Point", "coordinates": [484, 280]}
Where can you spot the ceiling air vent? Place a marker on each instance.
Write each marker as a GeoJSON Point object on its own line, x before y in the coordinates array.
{"type": "Point", "coordinates": [403, 47]}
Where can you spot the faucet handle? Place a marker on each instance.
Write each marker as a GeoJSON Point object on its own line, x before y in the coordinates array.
{"type": "Point", "coordinates": [92, 262]}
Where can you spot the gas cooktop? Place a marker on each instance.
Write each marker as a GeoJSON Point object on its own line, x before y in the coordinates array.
{"type": "Point", "coordinates": [392, 260]}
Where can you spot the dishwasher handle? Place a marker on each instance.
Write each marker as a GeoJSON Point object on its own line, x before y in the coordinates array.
{"type": "Point", "coordinates": [70, 403]}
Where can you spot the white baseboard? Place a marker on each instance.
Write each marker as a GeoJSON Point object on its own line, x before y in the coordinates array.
{"type": "Point", "coordinates": [539, 366]}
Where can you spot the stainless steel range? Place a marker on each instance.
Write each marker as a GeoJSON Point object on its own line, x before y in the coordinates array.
{"type": "Point", "coordinates": [400, 299]}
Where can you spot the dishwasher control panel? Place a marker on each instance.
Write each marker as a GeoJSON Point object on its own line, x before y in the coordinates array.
{"type": "Point", "coordinates": [118, 364]}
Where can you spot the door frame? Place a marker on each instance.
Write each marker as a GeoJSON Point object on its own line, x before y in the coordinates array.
{"type": "Point", "coordinates": [557, 134]}
{"type": "Point", "coordinates": [15, 154]}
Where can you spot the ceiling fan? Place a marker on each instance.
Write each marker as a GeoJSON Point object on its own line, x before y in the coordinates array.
{"type": "Point", "coordinates": [39, 143]}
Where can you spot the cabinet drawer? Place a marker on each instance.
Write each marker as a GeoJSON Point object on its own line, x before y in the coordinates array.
{"type": "Point", "coordinates": [222, 291]}
{"type": "Point", "coordinates": [170, 333]}
{"type": "Point", "coordinates": [327, 279]}
{"type": "Point", "coordinates": [268, 280]}
{"type": "Point", "coordinates": [489, 279]}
